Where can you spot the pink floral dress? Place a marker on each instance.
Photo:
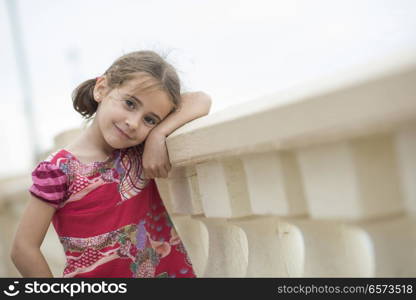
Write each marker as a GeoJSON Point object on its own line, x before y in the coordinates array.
{"type": "Point", "coordinates": [110, 221]}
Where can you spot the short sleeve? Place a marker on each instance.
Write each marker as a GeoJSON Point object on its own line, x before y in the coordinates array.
{"type": "Point", "coordinates": [49, 184]}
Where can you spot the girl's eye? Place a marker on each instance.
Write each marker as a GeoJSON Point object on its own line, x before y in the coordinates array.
{"type": "Point", "coordinates": [130, 103]}
{"type": "Point", "coordinates": [151, 121]}
{"type": "Point", "coordinates": [148, 120]}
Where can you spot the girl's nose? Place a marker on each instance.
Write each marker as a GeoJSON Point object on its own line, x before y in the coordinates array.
{"type": "Point", "coordinates": [135, 130]}
{"type": "Point", "coordinates": [133, 121]}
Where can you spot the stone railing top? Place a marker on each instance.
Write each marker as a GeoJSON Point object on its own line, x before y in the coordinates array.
{"type": "Point", "coordinates": [374, 98]}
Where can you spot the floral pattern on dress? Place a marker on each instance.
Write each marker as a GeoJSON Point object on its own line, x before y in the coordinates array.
{"type": "Point", "coordinates": [131, 242]}
{"type": "Point", "coordinates": [125, 168]}
{"type": "Point", "coordinates": [103, 234]}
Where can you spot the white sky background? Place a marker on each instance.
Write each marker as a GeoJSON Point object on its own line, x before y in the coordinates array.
{"type": "Point", "coordinates": [234, 50]}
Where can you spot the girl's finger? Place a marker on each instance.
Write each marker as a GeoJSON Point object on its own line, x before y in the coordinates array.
{"type": "Point", "coordinates": [149, 174]}
{"type": "Point", "coordinates": [154, 173]}
{"type": "Point", "coordinates": [162, 173]}
{"type": "Point", "coordinates": [159, 172]}
{"type": "Point", "coordinates": [166, 170]}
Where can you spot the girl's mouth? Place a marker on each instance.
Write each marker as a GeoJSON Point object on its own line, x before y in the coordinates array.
{"type": "Point", "coordinates": [122, 132]}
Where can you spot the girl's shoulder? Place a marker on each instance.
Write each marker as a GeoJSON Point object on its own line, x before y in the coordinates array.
{"type": "Point", "coordinates": [50, 181]}
{"type": "Point", "coordinates": [58, 159]}
{"type": "Point", "coordinates": [58, 156]}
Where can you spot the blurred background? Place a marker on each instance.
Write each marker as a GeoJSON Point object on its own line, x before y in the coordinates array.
{"type": "Point", "coordinates": [235, 50]}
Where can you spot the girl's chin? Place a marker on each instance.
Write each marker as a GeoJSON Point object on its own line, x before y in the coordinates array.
{"type": "Point", "coordinates": [117, 141]}
{"type": "Point", "coordinates": [116, 144]}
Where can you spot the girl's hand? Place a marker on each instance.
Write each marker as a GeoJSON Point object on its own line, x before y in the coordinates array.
{"type": "Point", "coordinates": [155, 156]}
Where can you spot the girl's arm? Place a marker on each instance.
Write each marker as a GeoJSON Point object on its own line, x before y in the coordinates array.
{"type": "Point", "coordinates": [25, 253]}
{"type": "Point", "coordinates": [155, 157]}
{"type": "Point", "coordinates": [193, 106]}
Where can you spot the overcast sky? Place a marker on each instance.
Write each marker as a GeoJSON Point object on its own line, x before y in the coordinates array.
{"type": "Point", "coordinates": [234, 50]}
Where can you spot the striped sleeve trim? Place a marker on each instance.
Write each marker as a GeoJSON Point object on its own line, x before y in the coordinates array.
{"type": "Point", "coordinates": [49, 183]}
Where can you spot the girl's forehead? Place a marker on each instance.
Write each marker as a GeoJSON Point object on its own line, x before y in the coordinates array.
{"type": "Point", "coordinates": [150, 94]}
{"type": "Point", "coordinates": [141, 83]}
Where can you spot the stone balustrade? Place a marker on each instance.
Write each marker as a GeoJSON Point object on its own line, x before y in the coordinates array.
{"type": "Point", "coordinates": [322, 185]}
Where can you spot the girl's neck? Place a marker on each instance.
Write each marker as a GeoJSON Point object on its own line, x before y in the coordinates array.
{"type": "Point", "coordinates": [91, 144]}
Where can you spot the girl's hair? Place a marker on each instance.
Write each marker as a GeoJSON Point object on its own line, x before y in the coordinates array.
{"type": "Point", "coordinates": [125, 68]}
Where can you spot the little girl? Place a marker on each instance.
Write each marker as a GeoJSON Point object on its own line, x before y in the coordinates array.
{"type": "Point", "coordinates": [99, 191]}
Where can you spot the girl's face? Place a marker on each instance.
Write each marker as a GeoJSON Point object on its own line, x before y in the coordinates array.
{"type": "Point", "coordinates": [126, 114]}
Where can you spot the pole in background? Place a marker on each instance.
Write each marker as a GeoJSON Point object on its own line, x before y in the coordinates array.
{"type": "Point", "coordinates": [24, 78]}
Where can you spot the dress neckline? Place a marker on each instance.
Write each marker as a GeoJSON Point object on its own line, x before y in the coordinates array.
{"type": "Point", "coordinates": [101, 162]}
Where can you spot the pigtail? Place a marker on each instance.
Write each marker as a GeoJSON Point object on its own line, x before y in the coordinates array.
{"type": "Point", "coordinates": [83, 99]}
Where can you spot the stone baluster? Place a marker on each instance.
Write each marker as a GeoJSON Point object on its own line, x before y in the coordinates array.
{"type": "Point", "coordinates": [274, 190]}
{"type": "Point", "coordinates": [182, 200]}
{"type": "Point", "coordinates": [224, 196]}
{"type": "Point", "coordinates": [353, 184]}
{"type": "Point", "coordinates": [394, 238]}
{"type": "Point", "coordinates": [405, 142]}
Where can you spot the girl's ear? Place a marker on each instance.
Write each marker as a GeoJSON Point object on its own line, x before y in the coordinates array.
{"type": "Point", "coordinates": [100, 88]}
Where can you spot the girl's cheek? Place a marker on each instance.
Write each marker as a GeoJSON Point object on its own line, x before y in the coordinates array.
{"type": "Point", "coordinates": [119, 113]}
{"type": "Point", "coordinates": [146, 135]}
